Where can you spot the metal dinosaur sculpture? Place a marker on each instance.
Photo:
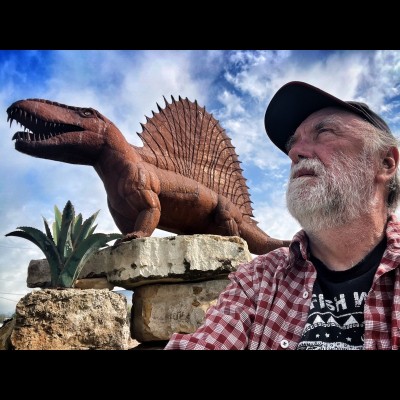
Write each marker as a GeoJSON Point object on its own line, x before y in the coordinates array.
{"type": "Point", "coordinates": [186, 179]}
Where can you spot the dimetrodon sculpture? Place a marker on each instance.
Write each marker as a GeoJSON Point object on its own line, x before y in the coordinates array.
{"type": "Point", "coordinates": [185, 179]}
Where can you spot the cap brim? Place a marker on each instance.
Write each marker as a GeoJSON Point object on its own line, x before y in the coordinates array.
{"type": "Point", "coordinates": [291, 105]}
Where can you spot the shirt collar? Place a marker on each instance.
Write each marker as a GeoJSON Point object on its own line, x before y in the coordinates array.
{"type": "Point", "coordinates": [393, 234]}
{"type": "Point", "coordinates": [298, 248]}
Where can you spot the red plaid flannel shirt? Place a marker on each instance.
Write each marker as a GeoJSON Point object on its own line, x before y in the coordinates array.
{"type": "Point", "coordinates": [266, 304]}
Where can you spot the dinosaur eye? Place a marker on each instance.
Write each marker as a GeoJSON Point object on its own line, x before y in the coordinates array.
{"type": "Point", "coordinates": [87, 112]}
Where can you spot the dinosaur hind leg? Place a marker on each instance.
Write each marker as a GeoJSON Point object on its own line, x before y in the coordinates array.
{"type": "Point", "coordinates": [227, 217]}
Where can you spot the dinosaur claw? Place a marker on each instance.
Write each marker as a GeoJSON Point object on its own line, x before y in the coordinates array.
{"type": "Point", "coordinates": [127, 238]}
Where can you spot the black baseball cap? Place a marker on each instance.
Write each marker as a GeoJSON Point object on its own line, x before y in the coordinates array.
{"type": "Point", "coordinates": [295, 101]}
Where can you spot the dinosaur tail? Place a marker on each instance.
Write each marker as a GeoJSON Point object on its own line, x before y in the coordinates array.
{"type": "Point", "coordinates": [259, 242]}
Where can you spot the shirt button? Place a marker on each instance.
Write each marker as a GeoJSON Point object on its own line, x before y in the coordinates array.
{"type": "Point", "coordinates": [305, 295]}
{"type": "Point", "coordinates": [284, 344]}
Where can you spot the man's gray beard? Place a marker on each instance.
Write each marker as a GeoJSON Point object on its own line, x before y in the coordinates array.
{"type": "Point", "coordinates": [335, 196]}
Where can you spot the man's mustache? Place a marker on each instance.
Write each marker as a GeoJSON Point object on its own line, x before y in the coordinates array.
{"type": "Point", "coordinates": [310, 166]}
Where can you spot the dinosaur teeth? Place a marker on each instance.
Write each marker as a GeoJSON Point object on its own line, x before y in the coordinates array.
{"type": "Point", "coordinates": [29, 136]}
{"type": "Point", "coordinates": [30, 122]}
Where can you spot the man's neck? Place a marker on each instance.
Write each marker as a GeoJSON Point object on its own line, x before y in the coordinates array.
{"type": "Point", "coordinates": [341, 248]}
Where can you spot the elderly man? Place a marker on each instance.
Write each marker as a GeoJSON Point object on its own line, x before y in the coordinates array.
{"type": "Point", "coordinates": [337, 286]}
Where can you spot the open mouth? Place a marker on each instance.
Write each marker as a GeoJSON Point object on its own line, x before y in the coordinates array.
{"type": "Point", "coordinates": [36, 129]}
{"type": "Point", "coordinates": [304, 173]}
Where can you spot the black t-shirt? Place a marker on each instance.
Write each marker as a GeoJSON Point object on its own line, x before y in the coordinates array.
{"type": "Point", "coordinates": [336, 317]}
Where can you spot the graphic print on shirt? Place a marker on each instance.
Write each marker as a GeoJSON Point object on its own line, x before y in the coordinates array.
{"type": "Point", "coordinates": [336, 316]}
{"type": "Point", "coordinates": [334, 324]}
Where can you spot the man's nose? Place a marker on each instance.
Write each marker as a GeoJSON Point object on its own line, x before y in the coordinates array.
{"type": "Point", "coordinates": [300, 148]}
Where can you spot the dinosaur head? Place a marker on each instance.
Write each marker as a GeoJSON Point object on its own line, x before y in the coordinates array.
{"type": "Point", "coordinates": [58, 132]}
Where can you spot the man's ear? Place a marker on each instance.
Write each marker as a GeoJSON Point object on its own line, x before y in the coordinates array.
{"type": "Point", "coordinates": [390, 163]}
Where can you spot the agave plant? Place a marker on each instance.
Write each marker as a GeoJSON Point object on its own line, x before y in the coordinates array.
{"type": "Point", "coordinates": [73, 241]}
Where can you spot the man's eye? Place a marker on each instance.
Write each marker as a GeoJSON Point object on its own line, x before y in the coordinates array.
{"type": "Point", "coordinates": [290, 143]}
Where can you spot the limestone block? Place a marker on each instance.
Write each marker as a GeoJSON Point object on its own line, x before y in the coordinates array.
{"type": "Point", "coordinates": [154, 259]}
{"type": "Point", "coordinates": [38, 274]}
{"type": "Point", "coordinates": [93, 283]}
{"type": "Point", "coordinates": [71, 319]}
{"type": "Point", "coordinates": [160, 310]}
{"type": "Point", "coordinates": [5, 334]}
{"type": "Point", "coordinates": [175, 259]}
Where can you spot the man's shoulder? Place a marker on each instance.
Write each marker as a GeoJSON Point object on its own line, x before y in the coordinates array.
{"type": "Point", "coordinates": [272, 260]}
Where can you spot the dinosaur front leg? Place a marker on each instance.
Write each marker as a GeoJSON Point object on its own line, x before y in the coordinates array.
{"type": "Point", "coordinates": [146, 206]}
{"type": "Point", "coordinates": [134, 203]}
{"type": "Point", "coordinates": [144, 222]}
{"type": "Point", "coordinates": [141, 192]}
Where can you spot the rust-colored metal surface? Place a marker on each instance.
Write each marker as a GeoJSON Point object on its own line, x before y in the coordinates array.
{"type": "Point", "coordinates": [186, 178]}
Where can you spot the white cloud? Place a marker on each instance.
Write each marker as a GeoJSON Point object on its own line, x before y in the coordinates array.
{"type": "Point", "coordinates": [261, 74]}
{"type": "Point", "coordinates": [254, 71]}
{"type": "Point", "coordinates": [232, 104]}
{"type": "Point", "coordinates": [271, 211]}
{"type": "Point", "coordinates": [381, 84]}
{"type": "Point", "coordinates": [277, 222]}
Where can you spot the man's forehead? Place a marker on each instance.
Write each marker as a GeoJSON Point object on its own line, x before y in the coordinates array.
{"type": "Point", "coordinates": [330, 114]}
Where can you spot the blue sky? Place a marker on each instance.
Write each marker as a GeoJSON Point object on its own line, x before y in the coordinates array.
{"type": "Point", "coordinates": [236, 86]}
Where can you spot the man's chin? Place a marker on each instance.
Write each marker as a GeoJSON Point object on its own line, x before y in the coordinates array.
{"type": "Point", "coordinates": [314, 225]}
{"type": "Point", "coordinates": [303, 184]}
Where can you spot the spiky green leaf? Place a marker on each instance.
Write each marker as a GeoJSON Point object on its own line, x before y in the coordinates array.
{"type": "Point", "coordinates": [55, 232]}
{"type": "Point", "coordinates": [86, 226]}
{"type": "Point", "coordinates": [91, 230]}
{"type": "Point", "coordinates": [47, 228]}
{"type": "Point", "coordinates": [73, 266]}
{"type": "Point", "coordinates": [58, 215]}
{"type": "Point", "coordinates": [65, 231]}
{"type": "Point", "coordinates": [46, 245]}
{"type": "Point", "coordinates": [77, 227]}
{"type": "Point", "coordinates": [68, 247]}
{"type": "Point", "coordinates": [57, 224]}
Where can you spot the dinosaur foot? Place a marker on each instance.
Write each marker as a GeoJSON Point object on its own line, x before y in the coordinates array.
{"type": "Point", "coordinates": [127, 238]}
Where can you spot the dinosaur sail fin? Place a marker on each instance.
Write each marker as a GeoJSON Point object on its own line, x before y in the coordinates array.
{"type": "Point", "coordinates": [188, 140]}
